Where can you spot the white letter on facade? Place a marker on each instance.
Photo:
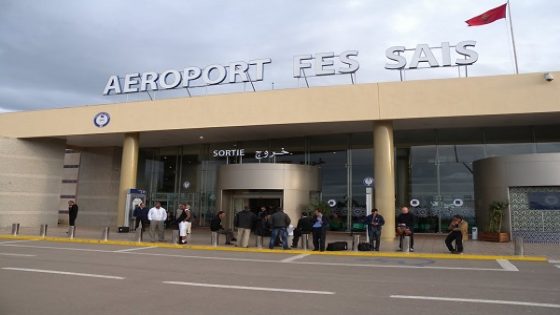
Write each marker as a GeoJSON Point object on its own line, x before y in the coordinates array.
{"type": "Point", "coordinates": [174, 83]}
{"type": "Point", "coordinates": [423, 54]}
{"type": "Point", "coordinates": [259, 63]}
{"type": "Point", "coordinates": [298, 65]}
{"type": "Point", "coordinates": [129, 80]}
{"type": "Point", "coordinates": [190, 74]}
{"type": "Point", "coordinates": [320, 63]}
{"type": "Point", "coordinates": [392, 53]}
{"type": "Point", "coordinates": [148, 78]}
{"type": "Point", "coordinates": [353, 65]}
{"type": "Point", "coordinates": [461, 49]}
{"type": "Point", "coordinates": [240, 69]}
{"type": "Point", "coordinates": [219, 79]}
{"type": "Point", "coordinates": [112, 85]}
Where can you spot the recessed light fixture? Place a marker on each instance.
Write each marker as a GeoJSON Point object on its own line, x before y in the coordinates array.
{"type": "Point", "coordinates": [201, 137]}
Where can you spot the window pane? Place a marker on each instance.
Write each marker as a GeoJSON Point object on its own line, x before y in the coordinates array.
{"type": "Point", "coordinates": [509, 149]}
{"type": "Point", "coordinates": [551, 147]}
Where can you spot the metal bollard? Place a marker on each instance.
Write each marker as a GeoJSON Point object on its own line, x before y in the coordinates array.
{"type": "Point", "coordinates": [259, 241]}
{"type": "Point", "coordinates": [71, 232]}
{"type": "Point", "coordinates": [15, 229]}
{"type": "Point", "coordinates": [305, 241]}
{"type": "Point", "coordinates": [43, 232]}
{"type": "Point", "coordinates": [105, 235]}
{"type": "Point", "coordinates": [355, 242]}
{"type": "Point", "coordinates": [215, 238]}
{"type": "Point", "coordinates": [518, 246]}
{"type": "Point", "coordinates": [175, 237]}
{"type": "Point", "coordinates": [139, 233]}
{"type": "Point", "coordinates": [406, 244]}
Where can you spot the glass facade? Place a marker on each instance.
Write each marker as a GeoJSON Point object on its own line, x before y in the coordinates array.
{"type": "Point", "coordinates": [433, 166]}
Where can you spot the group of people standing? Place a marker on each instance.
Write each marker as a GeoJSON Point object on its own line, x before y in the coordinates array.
{"type": "Point", "coordinates": [273, 223]}
{"type": "Point", "coordinates": [316, 225]}
{"type": "Point", "coordinates": [155, 218]}
{"type": "Point", "coordinates": [277, 224]}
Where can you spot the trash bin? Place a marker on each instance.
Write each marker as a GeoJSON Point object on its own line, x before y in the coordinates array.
{"type": "Point", "coordinates": [474, 233]}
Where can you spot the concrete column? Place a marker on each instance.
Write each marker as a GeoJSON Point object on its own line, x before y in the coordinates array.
{"type": "Point", "coordinates": [384, 173]}
{"type": "Point", "coordinates": [129, 166]}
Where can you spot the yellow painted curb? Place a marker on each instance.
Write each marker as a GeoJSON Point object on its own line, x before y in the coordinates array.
{"type": "Point", "coordinates": [276, 251]}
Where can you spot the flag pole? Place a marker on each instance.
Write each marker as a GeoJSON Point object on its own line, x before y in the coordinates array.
{"type": "Point", "coordinates": [512, 37]}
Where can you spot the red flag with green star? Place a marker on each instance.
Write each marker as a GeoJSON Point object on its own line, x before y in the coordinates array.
{"type": "Point", "coordinates": [489, 16]}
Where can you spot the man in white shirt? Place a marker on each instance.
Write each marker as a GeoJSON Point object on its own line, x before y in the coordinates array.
{"type": "Point", "coordinates": [157, 216]}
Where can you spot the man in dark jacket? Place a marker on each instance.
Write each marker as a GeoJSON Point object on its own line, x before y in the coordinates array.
{"type": "Point", "coordinates": [216, 226]}
{"type": "Point", "coordinates": [72, 212]}
{"type": "Point", "coordinates": [304, 226]}
{"type": "Point", "coordinates": [244, 221]}
{"type": "Point", "coordinates": [261, 227]}
{"type": "Point", "coordinates": [405, 227]}
{"type": "Point", "coordinates": [375, 223]}
{"type": "Point", "coordinates": [141, 215]}
{"type": "Point", "coordinates": [279, 222]}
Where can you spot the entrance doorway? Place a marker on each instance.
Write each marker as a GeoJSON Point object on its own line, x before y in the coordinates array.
{"type": "Point", "coordinates": [256, 203]}
{"type": "Point", "coordinates": [253, 199]}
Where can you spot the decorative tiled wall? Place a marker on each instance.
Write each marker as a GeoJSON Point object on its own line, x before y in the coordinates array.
{"type": "Point", "coordinates": [535, 226]}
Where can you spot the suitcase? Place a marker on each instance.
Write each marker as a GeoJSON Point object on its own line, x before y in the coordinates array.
{"type": "Point", "coordinates": [364, 247]}
{"type": "Point", "coordinates": [337, 246]}
{"type": "Point", "coordinates": [124, 229]}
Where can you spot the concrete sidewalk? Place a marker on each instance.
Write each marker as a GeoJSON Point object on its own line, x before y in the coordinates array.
{"type": "Point", "coordinates": [423, 243]}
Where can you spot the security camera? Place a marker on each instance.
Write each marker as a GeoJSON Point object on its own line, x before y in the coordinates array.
{"type": "Point", "coordinates": [548, 76]}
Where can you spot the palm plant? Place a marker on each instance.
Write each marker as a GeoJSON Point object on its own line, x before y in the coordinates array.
{"type": "Point", "coordinates": [497, 209]}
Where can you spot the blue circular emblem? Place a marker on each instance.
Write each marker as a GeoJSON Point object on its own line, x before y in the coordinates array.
{"type": "Point", "coordinates": [101, 119]}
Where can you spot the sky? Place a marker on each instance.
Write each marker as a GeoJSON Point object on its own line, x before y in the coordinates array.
{"type": "Point", "coordinates": [61, 53]}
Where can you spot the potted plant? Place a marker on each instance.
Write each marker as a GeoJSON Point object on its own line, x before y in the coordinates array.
{"type": "Point", "coordinates": [319, 205]}
{"type": "Point", "coordinates": [494, 231]}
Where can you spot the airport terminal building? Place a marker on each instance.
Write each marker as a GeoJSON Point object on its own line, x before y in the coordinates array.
{"type": "Point", "coordinates": [439, 146]}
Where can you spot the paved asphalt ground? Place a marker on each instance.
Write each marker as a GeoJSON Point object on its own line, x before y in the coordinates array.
{"type": "Point", "coordinates": [41, 277]}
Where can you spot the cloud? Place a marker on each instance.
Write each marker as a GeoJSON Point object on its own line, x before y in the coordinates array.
{"type": "Point", "coordinates": [61, 52]}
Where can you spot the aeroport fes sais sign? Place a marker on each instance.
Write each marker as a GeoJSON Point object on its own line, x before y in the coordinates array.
{"type": "Point", "coordinates": [319, 64]}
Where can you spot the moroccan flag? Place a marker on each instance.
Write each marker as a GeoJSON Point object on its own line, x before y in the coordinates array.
{"type": "Point", "coordinates": [489, 16]}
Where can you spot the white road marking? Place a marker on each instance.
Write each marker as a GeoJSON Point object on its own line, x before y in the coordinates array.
{"type": "Point", "coordinates": [316, 263]}
{"type": "Point", "coordinates": [132, 249]}
{"type": "Point", "coordinates": [238, 287]}
{"type": "Point", "coordinates": [557, 266]}
{"type": "Point", "coordinates": [293, 258]}
{"type": "Point", "coordinates": [507, 265]}
{"type": "Point", "coordinates": [455, 300]}
{"type": "Point", "coordinates": [18, 241]}
{"type": "Point", "coordinates": [554, 261]}
{"type": "Point", "coordinates": [147, 254]}
{"type": "Point", "coordinates": [61, 248]}
{"type": "Point", "coordinates": [262, 260]}
{"type": "Point", "coordinates": [395, 266]}
{"type": "Point", "coordinates": [22, 255]}
{"type": "Point", "coordinates": [64, 273]}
